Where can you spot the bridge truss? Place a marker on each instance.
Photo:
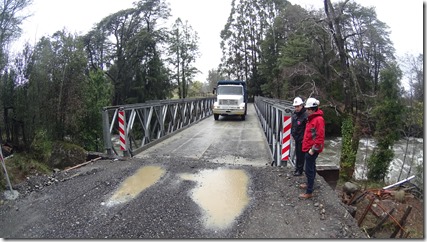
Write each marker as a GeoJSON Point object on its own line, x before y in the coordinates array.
{"type": "Point", "coordinates": [146, 124]}
{"type": "Point", "coordinates": [275, 118]}
{"type": "Point", "coordinates": [142, 124]}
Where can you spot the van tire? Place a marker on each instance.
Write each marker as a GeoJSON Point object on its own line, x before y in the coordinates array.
{"type": "Point", "coordinates": [216, 116]}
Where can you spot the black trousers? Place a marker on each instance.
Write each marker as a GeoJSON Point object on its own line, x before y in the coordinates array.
{"type": "Point", "coordinates": [310, 170]}
{"type": "Point", "coordinates": [300, 157]}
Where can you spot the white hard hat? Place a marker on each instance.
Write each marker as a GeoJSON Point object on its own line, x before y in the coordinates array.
{"type": "Point", "coordinates": [312, 103]}
{"type": "Point", "coordinates": [298, 101]}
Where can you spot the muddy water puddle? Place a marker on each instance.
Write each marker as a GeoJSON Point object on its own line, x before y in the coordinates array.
{"type": "Point", "coordinates": [134, 185]}
{"type": "Point", "coordinates": [222, 194]}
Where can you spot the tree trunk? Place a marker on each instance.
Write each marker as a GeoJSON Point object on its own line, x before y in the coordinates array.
{"type": "Point", "coordinates": [333, 21]}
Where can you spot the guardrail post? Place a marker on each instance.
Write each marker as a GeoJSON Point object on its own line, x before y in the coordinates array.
{"type": "Point", "coordinates": [286, 141]}
{"type": "Point", "coordinates": [124, 144]}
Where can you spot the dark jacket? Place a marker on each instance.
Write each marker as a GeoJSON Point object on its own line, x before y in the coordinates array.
{"type": "Point", "coordinates": [314, 136]}
{"type": "Point", "coordinates": [299, 120]}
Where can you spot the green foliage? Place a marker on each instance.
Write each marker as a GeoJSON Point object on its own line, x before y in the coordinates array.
{"type": "Point", "coordinates": [125, 45]}
{"type": "Point", "coordinates": [379, 162]}
{"type": "Point", "coordinates": [51, 98]}
{"type": "Point", "coordinates": [214, 76]}
{"type": "Point", "coordinates": [414, 120]}
{"type": "Point", "coordinates": [195, 89]}
{"type": "Point", "coordinates": [388, 116]}
{"type": "Point", "coordinates": [241, 39]}
{"type": "Point", "coordinates": [183, 51]}
{"type": "Point", "coordinates": [286, 61]}
{"type": "Point", "coordinates": [41, 146]}
{"type": "Point", "coordinates": [419, 176]}
{"type": "Point", "coordinates": [348, 155]}
{"type": "Point", "coordinates": [97, 93]}
{"type": "Point", "coordinates": [296, 50]}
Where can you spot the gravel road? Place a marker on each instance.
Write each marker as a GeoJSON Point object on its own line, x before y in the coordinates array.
{"type": "Point", "coordinates": [72, 205]}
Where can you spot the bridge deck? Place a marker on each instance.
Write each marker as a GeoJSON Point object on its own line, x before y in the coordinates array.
{"type": "Point", "coordinates": [228, 140]}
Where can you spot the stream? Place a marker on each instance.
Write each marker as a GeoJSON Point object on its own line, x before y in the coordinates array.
{"type": "Point", "coordinates": [413, 161]}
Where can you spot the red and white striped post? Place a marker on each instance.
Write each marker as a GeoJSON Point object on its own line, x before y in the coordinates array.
{"type": "Point", "coordinates": [122, 131]}
{"type": "Point", "coordinates": [286, 140]}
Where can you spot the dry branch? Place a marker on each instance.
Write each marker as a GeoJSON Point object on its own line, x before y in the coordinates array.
{"type": "Point", "coordinates": [82, 164]}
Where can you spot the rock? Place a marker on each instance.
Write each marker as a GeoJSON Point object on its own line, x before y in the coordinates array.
{"type": "Point", "coordinates": [400, 196]}
{"type": "Point", "coordinates": [350, 188]}
{"type": "Point", "coordinates": [65, 155]}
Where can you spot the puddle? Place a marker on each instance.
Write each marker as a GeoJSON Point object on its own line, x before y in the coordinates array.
{"type": "Point", "coordinates": [222, 194]}
{"type": "Point", "coordinates": [134, 185]}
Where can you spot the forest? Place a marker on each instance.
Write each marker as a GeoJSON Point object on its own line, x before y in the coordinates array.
{"type": "Point", "coordinates": [54, 90]}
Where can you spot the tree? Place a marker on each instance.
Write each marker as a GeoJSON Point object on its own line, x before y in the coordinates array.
{"type": "Point", "coordinates": [196, 89]}
{"type": "Point", "coordinates": [183, 51]}
{"type": "Point", "coordinates": [241, 40]}
{"type": "Point", "coordinates": [388, 116]}
{"type": "Point", "coordinates": [97, 93]}
{"type": "Point", "coordinates": [414, 72]}
{"type": "Point", "coordinates": [11, 18]}
{"type": "Point", "coordinates": [414, 112]}
{"type": "Point", "coordinates": [55, 82]}
{"type": "Point", "coordinates": [214, 76]}
{"type": "Point", "coordinates": [10, 21]}
{"type": "Point", "coordinates": [275, 49]}
{"type": "Point", "coordinates": [125, 45]}
{"type": "Point", "coordinates": [363, 49]}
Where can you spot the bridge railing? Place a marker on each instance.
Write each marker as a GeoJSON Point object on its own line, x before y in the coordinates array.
{"type": "Point", "coordinates": [275, 117]}
{"type": "Point", "coordinates": [131, 128]}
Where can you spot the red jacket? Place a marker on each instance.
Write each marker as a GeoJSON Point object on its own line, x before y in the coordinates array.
{"type": "Point", "coordinates": [314, 135]}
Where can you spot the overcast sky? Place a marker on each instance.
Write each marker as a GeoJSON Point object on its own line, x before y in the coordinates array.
{"type": "Point", "coordinates": [208, 18]}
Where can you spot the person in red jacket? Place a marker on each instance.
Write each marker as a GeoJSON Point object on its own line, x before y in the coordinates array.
{"type": "Point", "coordinates": [313, 143]}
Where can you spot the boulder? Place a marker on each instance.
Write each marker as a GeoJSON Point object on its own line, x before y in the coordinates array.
{"type": "Point", "coordinates": [66, 154]}
{"type": "Point", "coordinates": [350, 188]}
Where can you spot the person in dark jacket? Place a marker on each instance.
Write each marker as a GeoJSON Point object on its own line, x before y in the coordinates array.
{"type": "Point", "coordinates": [299, 119]}
{"type": "Point", "coordinates": [312, 144]}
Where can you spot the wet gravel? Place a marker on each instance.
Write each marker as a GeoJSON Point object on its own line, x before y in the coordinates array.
{"type": "Point", "coordinates": [70, 205]}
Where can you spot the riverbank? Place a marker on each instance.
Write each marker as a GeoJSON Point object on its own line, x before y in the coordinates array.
{"type": "Point", "coordinates": [408, 159]}
{"type": "Point", "coordinates": [371, 204]}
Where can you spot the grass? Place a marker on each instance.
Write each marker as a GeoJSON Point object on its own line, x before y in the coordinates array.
{"type": "Point", "coordinates": [19, 166]}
